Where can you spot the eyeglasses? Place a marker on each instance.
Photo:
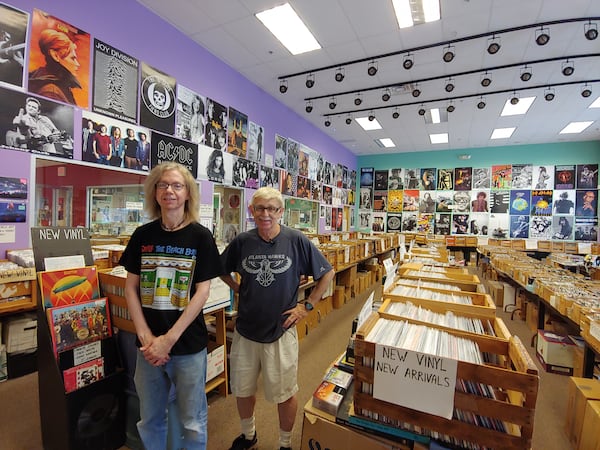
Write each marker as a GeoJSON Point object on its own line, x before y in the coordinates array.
{"type": "Point", "coordinates": [164, 186]}
{"type": "Point", "coordinates": [270, 209]}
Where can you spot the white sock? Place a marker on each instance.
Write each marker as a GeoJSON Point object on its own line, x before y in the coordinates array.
{"type": "Point", "coordinates": [285, 438]}
{"type": "Point", "coordinates": [248, 427]}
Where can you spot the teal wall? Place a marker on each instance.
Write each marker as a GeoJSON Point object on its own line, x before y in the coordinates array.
{"type": "Point", "coordinates": [556, 153]}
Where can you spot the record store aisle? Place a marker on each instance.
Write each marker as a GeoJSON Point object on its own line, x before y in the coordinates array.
{"type": "Point", "coordinates": [19, 416]}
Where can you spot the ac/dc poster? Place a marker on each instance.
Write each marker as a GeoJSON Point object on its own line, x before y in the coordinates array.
{"type": "Point", "coordinates": [564, 177]}
{"type": "Point", "coordinates": [36, 125]}
{"type": "Point", "coordinates": [158, 100]}
{"type": "Point", "coordinates": [115, 91]}
{"type": "Point", "coordinates": [167, 148]}
{"type": "Point", "coordinates": [73, 85]}
{"type": "Point", "coordinates": [13, 23]}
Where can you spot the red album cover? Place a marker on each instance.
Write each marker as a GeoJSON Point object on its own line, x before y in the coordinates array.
{"type": "Point", "coordinates": [83, 374]}
{"type": "Point", "coordinates": [78, 324]}
{"type": "Point", "coordinates": [70, 286]}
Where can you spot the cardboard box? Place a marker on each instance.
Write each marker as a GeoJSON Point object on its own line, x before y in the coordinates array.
{"type": "Point", "coordinates": [590, 438]}
{"type": "Point", "coordinates": [20, 333]}
{"type": "Point", "coordinates": [555, 349]}
{"type": "Point", "coordinates": [580, 392]}
{"type": "Point", "coordinates": [215, 362]}
{"type": "Point", "coordinates": [496, 289]}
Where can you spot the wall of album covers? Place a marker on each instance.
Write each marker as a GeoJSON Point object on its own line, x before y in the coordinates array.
{"type": "Point", "coordinates": [502, 201]}
{"type": "Point", "coordinates": [76, 83]}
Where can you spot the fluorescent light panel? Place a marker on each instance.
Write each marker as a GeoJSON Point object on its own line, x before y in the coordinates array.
{"type": "Point", "coordinates": [576, 127]}
{"type": "Point", "coordinates": [595, 104]}
{"type": "Point", "coordinates": [286, 26]}
{"type": "Point", "coordinates": [520, 108]}
{"type": "Point", "coordinates": [367, 124]}
{"type": "Point", "coordinates": [503, 133]}
{"type": "Point", "coordinates": [440, 138]}
{"type": "Point", "coordinates": [387, 142]}
{"type": "Point", "coordinates": [415, 12]}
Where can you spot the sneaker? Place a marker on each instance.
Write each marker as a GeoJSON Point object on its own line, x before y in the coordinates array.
{"type": "Point", "coordinates": [241, 443]}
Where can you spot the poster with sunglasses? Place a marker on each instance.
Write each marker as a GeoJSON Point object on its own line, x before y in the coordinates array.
{"type": "Point", "coordinates": [165, 148]}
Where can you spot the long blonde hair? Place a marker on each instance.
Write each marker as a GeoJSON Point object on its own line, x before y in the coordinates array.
{"type": "Point", "coordinates": [192, 204]}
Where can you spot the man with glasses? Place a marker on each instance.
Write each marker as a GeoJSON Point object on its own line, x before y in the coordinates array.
{"type": "Point", "coordinates": [170, 262]}
{"type": "Point", "coordinates": [270, 261]}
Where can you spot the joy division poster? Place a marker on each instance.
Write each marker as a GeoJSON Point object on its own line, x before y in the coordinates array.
{"type": "Point", "coordinates": [67, 81]}
{"type": "Point", "coordinates": [167, 148]}
{"type": "Point", "coordinates": [13, 37]}
{"type": "Point", "coordinates": [157, 106]}
{"type": "Point", "coordinates": [115, 91]}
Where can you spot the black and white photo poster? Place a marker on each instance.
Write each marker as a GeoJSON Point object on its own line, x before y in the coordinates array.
{"type": "Point", "coordinates": [158, 100]}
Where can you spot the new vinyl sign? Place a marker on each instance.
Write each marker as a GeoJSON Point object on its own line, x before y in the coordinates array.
{"type": "Point", "coordinates": [415, 380]}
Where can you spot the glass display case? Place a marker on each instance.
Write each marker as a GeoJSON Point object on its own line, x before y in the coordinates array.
{"type": "Point", "coordinates": [115, 210]}
{"type": "Point", "coordinates": [301, 214]}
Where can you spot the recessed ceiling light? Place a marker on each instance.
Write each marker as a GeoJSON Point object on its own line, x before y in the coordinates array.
{"type": "Point", "coordinates": [327, 122]}
{"type": "Point", "coordinates": [415, 12]}
{"type": "Point", "coordinates": [348, 120]}
{"type": "Point", "coordinates": [590, 30]}
{"type": "Point", "coordinates": [387, 142]}
{"type": "Point", "coordinates": [549, 94]}
{"type": "Point", "coordinates": [576, 127]}
{"type": "Point", "coordinates": [493, 45]}
{"type": "Point", "coordinates": [396, 114]}
{"type": "Point", "coordinates": [439, 138]}
{"type": "Point", "coordinates": [367, 124]}
{"type": "Point", "coordinates": [586, 91]}
{"type": "Point", "coordinates": [542, 36]}
{"type": "Point", "coordinates": [518, 108]}
{"type": "Point", "coordinates": [287, 26]}
{"type": "Point", "coordinates": [408, 61]}
{"type": "Point", "coordinates": [503, 133]}
{"type": "Point", "coordinates": [339, 75]}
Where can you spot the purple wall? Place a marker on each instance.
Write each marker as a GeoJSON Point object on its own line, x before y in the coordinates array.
{"type": "Point", "coordinates": [135, 30]}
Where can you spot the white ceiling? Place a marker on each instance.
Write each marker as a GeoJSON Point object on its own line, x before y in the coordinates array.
{"type": "Point", "coordinates": [350, 30]}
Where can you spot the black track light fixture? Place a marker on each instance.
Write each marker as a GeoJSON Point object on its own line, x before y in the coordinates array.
{"type": "Point", "coordinates": [283, 86]}
{"type": "Point", "coordinates": [371, 116]}
{"type": "Point", "coordinates": [421, 110]}
{"type": "Point", "coordinates": [372, 69]}
{"type": "Point", "coordinates": [396, 113]}
{"type": "Point", "coordinates": [448, 53]}
{"type": "Point", "coordinates": [387, 94]}
{"type": "Point", "coordinates": [339, 74]}
{"type": "Point", "coordinates": [450, 108]}
{"type": "Point", "coordinates": [526, 73]}
{"type": "Point", "coordinates": [309, 107]}
{"type": "Point", "coordinates": [568, 67]}
{"type": "Point", "coordinates": [486, 79]}
{"type": "Point", "coordinates": [590, 30]}
{"type": "Point", "coordinates": [408, 61]}
{"type": "Point", "coordinates": [514, 99]}
{"type": "Point", "coordinates": [493, 45]}
{"type": "Point", "coordinates": [310, 80]}
{"type": "Point", "coordinates": [586, 91]}
{"type": "Point", "coordinates": [416, 91]}
{"type": "Point", "coordinates": [481, 103]}
{"type": "Point", "coordinates": [549, 94]}
{"type": "Point", "coordinates": [358, 100]}
{"type": "Point", "coordinates": [348, 120]}
{"type": "Point", "coordinates": [449, 87]}
{"type": "Point", "coordinates": [332, 103]}
{"type": "Point", "coordinates": [327, 122]}
{"type": "Point", "coordinates": [542, 36]}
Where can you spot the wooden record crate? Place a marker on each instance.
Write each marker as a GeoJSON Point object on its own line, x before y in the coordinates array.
{"type": "Point", "coordinates": [329, 254]}
{"type": "Point", "coordinates": [558, 246]}
{"type": "Point", "coordinates": [590, 330]}
{"type": "Point", "coordinates": [113, 287]}
{"type": "Point", "coordinates": [544, 246]}
{"type": "Point", "coordinates": [471, 241]}
{"type": "Point", "coordinates": [482, 304]}
{"type": "Point", "coordinates": [517, 244]}
{"type": "Point", "coordinates": [494, 343]}
{"type": "Point", "coordinates": [515, 385]}
{"type": "Point", "coordinates": [468, 283]}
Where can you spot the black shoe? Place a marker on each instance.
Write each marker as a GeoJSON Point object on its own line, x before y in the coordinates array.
{"type": "Point", "coordinates": [285, 448]}
{"type": "Point", "coordinates": [241, 443]}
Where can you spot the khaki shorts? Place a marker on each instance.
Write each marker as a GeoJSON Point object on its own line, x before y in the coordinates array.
{"type": "Point", "coordinates": [278, 362]}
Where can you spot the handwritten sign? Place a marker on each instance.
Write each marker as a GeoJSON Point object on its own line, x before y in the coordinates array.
{"type": "Point", "coordinates": [415, 380]}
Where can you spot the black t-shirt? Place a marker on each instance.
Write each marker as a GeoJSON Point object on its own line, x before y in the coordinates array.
{"type": "Point", "coordinates": [270, 273]}
{"type": "Point", "coordinates": [169, 265]}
